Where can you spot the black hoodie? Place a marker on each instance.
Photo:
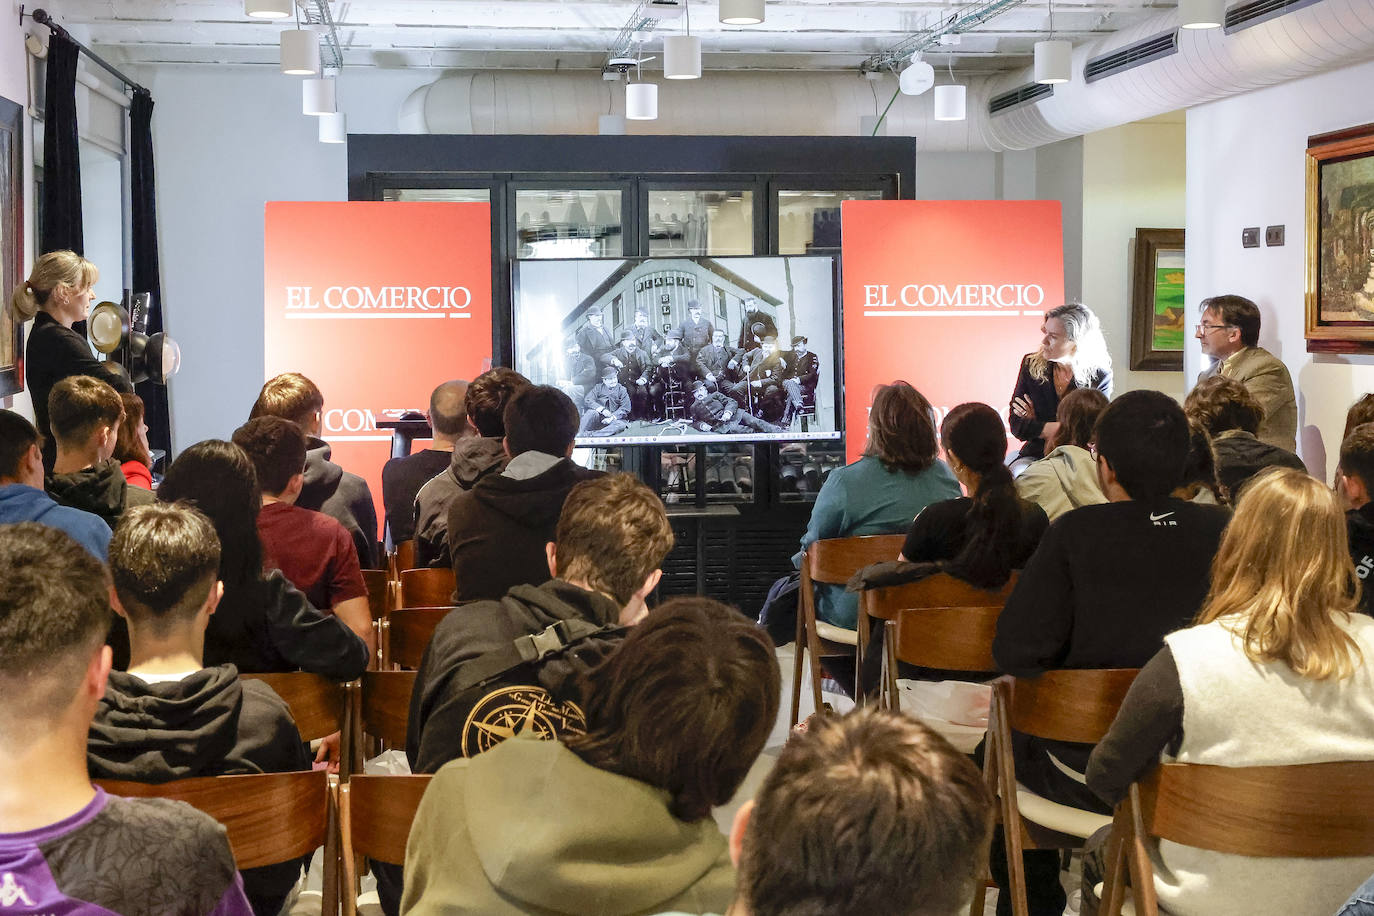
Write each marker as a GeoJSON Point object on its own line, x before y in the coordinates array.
{"type": "Point", "coordinates": [1359, 525]}
{"type": "Point", "coordinates": [498, 529]}
{"type": "Point", "coordinates": [343, 496]}
{"type": "Point", "coordinates": [1240, 456]}
{"type": "Point", "coordinates": [100, 489]}
{"type": "Point", "coordinates": [474, 457]}
{"type": "Point", "coordinates": [207, 724]}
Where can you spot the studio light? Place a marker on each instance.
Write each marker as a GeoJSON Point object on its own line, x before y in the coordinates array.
{"type": "Point", "coordinates": [916, 78]}
{"type": "Point", "coordinates": [144, 357]}
{"type": "Point", "coordinates": [300, 52]}
{"type": "Point", "coordinates": [949, 103]}
{"type": "Point", "coordinates": [641, 101]}
{"type": "Point", "coordinates": [1053, 62]}
{"type": "Point", "coordinates": [1201, 14]}
{"type": "Point", "coordinates": [741, 12]}
{"type": "Point", "coordinates": [682, 57]}
{"type": "Point", "coordinates": [268, 9]}
{"type": "Point", "coordinates": [317, 96]}
{"type": "Point", "coordinates": [333, 128]}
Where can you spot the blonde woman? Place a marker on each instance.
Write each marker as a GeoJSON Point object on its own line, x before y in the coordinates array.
{"type": "Point", "coordinates": [1274, 672]}
{"type": "Point", "coordinates": [1073, 354]}
{"type": "Point", "coordinates": [58, 294]}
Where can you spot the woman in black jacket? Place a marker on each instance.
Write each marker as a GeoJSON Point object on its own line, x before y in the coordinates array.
{"type": "Point", "coordinates": [1073, 354]}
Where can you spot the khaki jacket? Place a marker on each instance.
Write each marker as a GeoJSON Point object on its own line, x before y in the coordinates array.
{"type": "Point", "coordinates": [1267, 378]}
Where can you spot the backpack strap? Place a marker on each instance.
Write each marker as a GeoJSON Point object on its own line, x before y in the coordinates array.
{"type": "Point", "coordinates": [530, 648]}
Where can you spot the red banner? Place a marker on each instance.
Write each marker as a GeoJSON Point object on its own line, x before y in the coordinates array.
{"type": "Point", "coordinates": [376, 303]}
{"type": "Point", "coordinates": [948, 295]}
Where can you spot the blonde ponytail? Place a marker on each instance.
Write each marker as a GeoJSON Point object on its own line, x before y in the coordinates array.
{"type": "Point", "coordinates": [23, 303]}
{"type": "Point", "coordinates": [54, 269]}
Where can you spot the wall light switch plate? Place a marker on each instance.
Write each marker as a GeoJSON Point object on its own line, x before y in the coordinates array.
{"type": "Point", "coordinates": [1273, 235]}
{"type": "Point", "coordinates": [1250, 237]}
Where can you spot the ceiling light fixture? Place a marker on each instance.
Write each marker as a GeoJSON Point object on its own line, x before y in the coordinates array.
{"type": "Point", "coordinates": [318, 97]}
{"type": "Point", "coordinates": [641, 99]}
{"type": "Point", "coordinates": [268, 9]}
{"type": "Point", "coordinates": [741, 12]}
{"type": "Point", "coordinates": [1053, 58]}
{"type": "Point", "coordinates": [333, 128]}
{"type": "Point", "coordinates": [949, 103]}
{"type": "Point", "coordinates": [682, 53]}
{"type": "Point", "coordinates": [300, 52]}
{"type": "Point", "coordinates": [1201, 14]}
{"type": "Point", "coordinates": [916, 78]}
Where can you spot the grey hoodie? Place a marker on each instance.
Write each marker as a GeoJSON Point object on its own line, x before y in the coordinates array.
{"type": "Point", "coordinates": [474, 457]}
{"type": "Point", "coordinates": [340, 495]}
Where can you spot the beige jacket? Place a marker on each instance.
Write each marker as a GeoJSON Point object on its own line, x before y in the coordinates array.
{"type": "Point", "coordinates": [1267, 378]}
{"type": "Point", "coordinates": [1064, 479]}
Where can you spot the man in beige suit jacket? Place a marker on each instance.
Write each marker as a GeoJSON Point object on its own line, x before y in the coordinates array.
{"type": "Point", "coordinates": [1229, 332]}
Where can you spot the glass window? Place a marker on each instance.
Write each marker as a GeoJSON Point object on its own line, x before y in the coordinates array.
{"type": "Point", "coordinates": [455, 195]}
{"type": "Point", "coordinates": [683, 223]}
{"type": "Point", "coordinates": [809, 221]}
{"type": "Point", "coordinates": [568, 224]}
{"type": "Point", "coordinates": [804, 466]}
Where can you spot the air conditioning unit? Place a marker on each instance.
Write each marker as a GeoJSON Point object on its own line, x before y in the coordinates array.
{"type": "Point", "coordinates": [663, 9]}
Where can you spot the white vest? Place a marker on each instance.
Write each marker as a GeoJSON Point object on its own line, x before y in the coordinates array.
{"type": "Point", "coordinates": [1237, 712]}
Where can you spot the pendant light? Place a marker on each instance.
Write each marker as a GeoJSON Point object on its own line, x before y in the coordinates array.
{"type": "Point", "coordinates": [1053, 58]}
{"type": "Point", "coordinates": [949, 100]}
{"type": "Point", "coordinates": [318, 97]}
{"type": "Point", "coordinates": [682, 53]}
{"type": "Point", "coordinates": [741, 12]}
{"type": "Point", "coordinates": [916, 78]}
{"type": "Point", "coordinates": [268, 9]}
{"type": "Point", "coordinates": [300, 52]}
{"type": "Point", "coordinates": [1201, 14]}
{"type": "Point", "coordinates": [333, 128]}
{"type": "Point", "coordinates": [641, 101]}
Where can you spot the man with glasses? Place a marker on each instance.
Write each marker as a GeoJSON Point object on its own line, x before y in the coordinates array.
{"type": "Point", "coordinates": [1229, 333]}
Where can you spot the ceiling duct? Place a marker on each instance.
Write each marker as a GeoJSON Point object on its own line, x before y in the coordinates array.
{"type": "Point", "coordinates": [1123, 59]}
{"type": "Point", "coordinates": [1031, 92]}
{"type": "Point", "coordinates": [1257, 11]}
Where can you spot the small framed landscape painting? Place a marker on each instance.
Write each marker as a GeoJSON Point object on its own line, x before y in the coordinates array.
{"type": "Point", "coordinates": [1158, 313]}
{"type": "Point", "coordinates": [1340, 241]}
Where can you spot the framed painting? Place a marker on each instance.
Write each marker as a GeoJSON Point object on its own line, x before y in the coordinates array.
{"type": "Point", "coordinates": [11, 243]}
{"type": "Point", "coordinates": [1158, 314]}
{"type": "Point", "coordinates": [1340, 241]}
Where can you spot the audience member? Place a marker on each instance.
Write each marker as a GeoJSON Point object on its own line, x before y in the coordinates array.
{"type": "Point", "coordinates": [474, 457]}
{"type": "Point", "coordinates": [1273, 673]}
{"type": "Point", "coordinates": [170, 717]}
{"type": "Point", "coordinates": [872, 814]}
{"type": "Point", "coordinates": [312, 550]}
{"type": "Point", "coordinates": [328, 488]}
{"type": "Point", "coordinates": [263, 623]}
{"type": "Point", "coordinates": [498, 529]}
{"type": "Point", "coordinates": [898, 476]}
{"type": "Point", "coordinates": [1199, 483]}
{"type": "Point", "coordinates": [1360, 413]}
{"type": "Point", "coordinates": [1231, 415]}
{"type": "Point", "coordinates": [403, 477]}
{"type": "Point", "coordinates": [1229, 332]}
{"type": "Point", "coordinates": [85, 414]}
{"type": "Point", "coordinates": [21, 489]}
{"type": "Point", "coordinates": [131, 445]}
{"type": "Point", "coordinates": [676, 717]}
{"type": "Point", "coordinates": [1355, 474]}
{"type": "Point", "coordinates": [66, 846]}
{"type": "Point", "coordinates": [1104, 587]}
{"type": "Point", "coordinates": [1066, 477]}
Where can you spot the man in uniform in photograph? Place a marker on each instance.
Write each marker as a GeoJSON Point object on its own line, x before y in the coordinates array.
{"type": "Point", "coordinates": [675, 372]}
{"type": "Point", "coordinates": [718, 364]}
{"type": "Point", "coordinates": [713, 412]}
{"type": "Point", "coordinates": [802, 371]}
{"type": "Point", "coordinates": [764, 375]}
{"type": "Point", "coordinates": [696, 331]}
{"type": "Point", "coordinates": [594, 339]}
{"type": "Point", "coordinates": [632, 364]}
{"type": "Point", "coordinates": [649, 340]}
{"type": "Point", "coordinates": [579, 371]}
{"type": "Point", "coordinates": [607, 405]}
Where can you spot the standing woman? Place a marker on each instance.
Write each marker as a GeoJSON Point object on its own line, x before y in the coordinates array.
{"type": "Point", "coordinates": [56, 295]}
{"type": "Point", "coordinates": [1073, 354]}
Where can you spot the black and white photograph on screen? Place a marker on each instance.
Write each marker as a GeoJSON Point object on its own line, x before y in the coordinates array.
{"type": "Point", "coordinates": [683, 349]}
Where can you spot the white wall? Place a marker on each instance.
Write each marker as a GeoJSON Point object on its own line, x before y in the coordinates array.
{"type": "Point", "coordinates": [1246, 168]}
{"type": "Point", "coordinates": [1059, 176]}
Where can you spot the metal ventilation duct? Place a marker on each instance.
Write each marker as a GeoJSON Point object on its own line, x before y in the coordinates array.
{"type": "Point", "coordinates": [1031, 92]}
{"type": "Point", "coordinates": [1123, 59]}
{"type": "Point", "coordinates": [1257, 11]}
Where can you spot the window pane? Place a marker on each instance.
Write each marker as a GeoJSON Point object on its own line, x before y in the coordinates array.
{"type": "Point", "coordinates": [809, 221]}
{"type": "Point", "coordinates": [568, 224]}
{"type": "Point", "coordinates": [456, 195]}
{"type": "Point", "coordinates": [804, 466]}
{"type": "Point", "coordinates": [701, 223]}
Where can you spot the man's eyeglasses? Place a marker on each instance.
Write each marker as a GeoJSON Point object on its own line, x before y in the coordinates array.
{"type": "Point", "coordinates": [1212, 327]}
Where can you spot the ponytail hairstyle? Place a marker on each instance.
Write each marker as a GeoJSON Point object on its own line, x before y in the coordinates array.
{"type": "Point", "coordinates": [976, 436]}
{"type": "Point", "coordinates": [54, 269]}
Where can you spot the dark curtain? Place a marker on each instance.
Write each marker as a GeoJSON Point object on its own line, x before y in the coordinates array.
{"type": "Point", "coordinates": [61, 226]}
{"type": "Point", "coordinates": [147, 276]}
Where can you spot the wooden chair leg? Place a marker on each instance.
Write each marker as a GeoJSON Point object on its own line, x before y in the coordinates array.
{"type": "Point", "coordinates": [798, 660]}
{"type": "Point", "coordinates": [1011, 815]}
{"type": "Point", "coordinates": [330, 903]}
{"type": "Point", "coordinates": [348, 879]}
{"type": "Point", "coordinates": [861, 697]}
{"type": "Point", "coordinates": [1114, 876]}
{"type": "Point", "coordinates": [813, 645]}
{"type": "Point", "coordinates": [1141, 869]}
{"type": "Point", "coordinates": [894, 696]}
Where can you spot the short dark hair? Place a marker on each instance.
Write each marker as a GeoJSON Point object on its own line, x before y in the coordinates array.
{"type": "Point", "coordinates": [1360, 413]}
{"type": "Point", "coordinates": [684, 704]}
{"type": "Point", "coordinates": [488, 396]}
{"type": "Point", "coordinates": [448, 411]}
{"type": "Point", "coordinates": [1219, 404]}
{"type": "Point", "coordinates": [872, 814]}
{"type": "Point", "coordinates": [290, 396]}
{"type": "Point", "coordinates": [1077, 416]}
{"type": "Point", "coordinates": [54, 614]}
{"type": "Point", "coordinates": [164, 559]}
{"type": "Point", "coordinates": [17, 436]}
{"type": "Point", "coordinates": [277, 449]}
{"type": "Point", "coordinates": [1143, 437]}
{"type": "Point", "coordinates": [901, 429]}
{"type": "Point", "coordinates": [79, 405]}
{"type": "Point", "coordinates": [1357, 454]}
{"type": "Point", "coordinates": [613, 532]}
{"type": "Point", "coordinates": [1237, 312]}
{"type": "Point", "coordinates": [540, 418]}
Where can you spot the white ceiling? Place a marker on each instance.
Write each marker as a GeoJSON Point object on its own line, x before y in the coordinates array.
{"type": "Point", "coordinates": [575, 34]}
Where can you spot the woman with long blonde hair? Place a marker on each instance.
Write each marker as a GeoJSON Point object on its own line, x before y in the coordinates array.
{"type": "Point", "coordinates": [1272, 673]}
{"type": "Point", "coordinates": [1072, 354]}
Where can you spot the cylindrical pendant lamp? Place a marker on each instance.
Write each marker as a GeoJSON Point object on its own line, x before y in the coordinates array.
{"type": "Point", "coordinates": [916, 78]}
{"type": "Point", "coordinates": [1053, 61]}
{"type": "Point", "coordinates": [682, 57]}
{"type": "Point", "coordinates": [949, 103]}
{"type": "Point", "coordinates": [333, 128]}
{"type": "Point", "coordinates": [317, 96]}
{"type": "Point", "coordinates": [1201, 14]}
{"type": "Point", "coordinates": [610, 125]}
{"type": "Point", "coordinates": [641, 101]}
{"type": "Point", "coordinates": [300, 52]}
{"type": "Point", "coordinates": [741, 12]}
{"type": "Point", "coordinates": [268, 9]}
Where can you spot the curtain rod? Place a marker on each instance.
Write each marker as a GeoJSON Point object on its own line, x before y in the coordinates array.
{"type": "Point", "coordinates": [41, 16]}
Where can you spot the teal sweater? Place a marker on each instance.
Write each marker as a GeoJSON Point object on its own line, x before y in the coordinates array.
{"type": "Point", "coordinates": [866, 498]}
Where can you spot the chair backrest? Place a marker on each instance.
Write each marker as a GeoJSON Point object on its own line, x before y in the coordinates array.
{"type": "Point", "coordinates": [426, 587]}
{"type": "Point", "coordinates": [384, 705]}
{"type": "Point", "coordinates": [376, 813]}
{"type": "Point", "coordinates": [834, 560]}
{"type": "Point", "coordinates": [952, 638]}
{"type": "Point", "coordinates": [1068, 705]}
{"type": "Point", "coordinates": [271, 817]}
{"type": "Point", "coordinates": [404, 557]}
{"type": "Point", "coordinates": [319, 706]}
{"type": "Point", "coordinates": [410, 630]}
{"type": "Point", "coordinates": [1316, 810]}
{"type": "Point", "coordinates": [938, 591]}
{"type": "Point", "coordinates": [378, 582]}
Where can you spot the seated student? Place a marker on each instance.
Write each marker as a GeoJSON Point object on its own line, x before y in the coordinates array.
{"type": "Point", "coordinates": [85, 414]}
{"type": "Point", "coordinates": [1274, 672]}
{"type": "Point", "coordinates": [65, 846]}
{"type": "Point", "coordinates": [131, 446]}
{"type": "Point", "coordinates": [498, 529]}
{"type": "Point", "coordinates": [1104, 587]}
{"type": "Point", "coordinates": [474, 457]}
{"type": "Point", "coordinates": [1232, 416]}
{"type": "Point", "coordinates": [1066, 477]}
{"type": "Point", "coordinates": [675, 718]}
{"type": "Point", "coordinates": [262, 624]}
{"type": "Point", "coordinates": [170, 717]}
{"type": "Point", "coordinates": [403, 477]}
{"type": "Point", "coordinates": [312, 550]}
{"type": "Point", "coordinates": [903, 818]}
{"type": "Point", "coordinates": [328, 488]}
{"type": "Point", "coordinates": [21, 489]}
{"type": "Point", "coordinates": [605, 407]}
{"type": "Point", "coordinates": [1360, 413]}
{"type": "Point", "coordinates": [1355, 484]}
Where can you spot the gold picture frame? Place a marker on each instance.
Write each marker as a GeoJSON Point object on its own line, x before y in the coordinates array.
{"type": "Point", "coordinates": [1340, 241]}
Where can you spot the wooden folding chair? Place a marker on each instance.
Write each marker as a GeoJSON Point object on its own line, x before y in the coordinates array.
{"type": "Point", "coordinates": [319, 707]}
{"type": "Point", "coordinates": [1064, 705]}
{"type": "Point", "coordinates": [425, 588]}
{"type": "Point", "coordinates": [408, 632]}
{"type": "Point", "coordinates": [379, 599]}
{"type": "Point", "coordinates": [1310, 811]}
{"type": "Point", "coordinates": [383, 709]}
{"type": "Point", "coordinates": [375, 814]}
{"type": "Point", "coordinates": [831, 561]}
{"type": "Point", "coordinates": [403, 557]}
{"type": "Point", "coordinates": [270, 817]}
